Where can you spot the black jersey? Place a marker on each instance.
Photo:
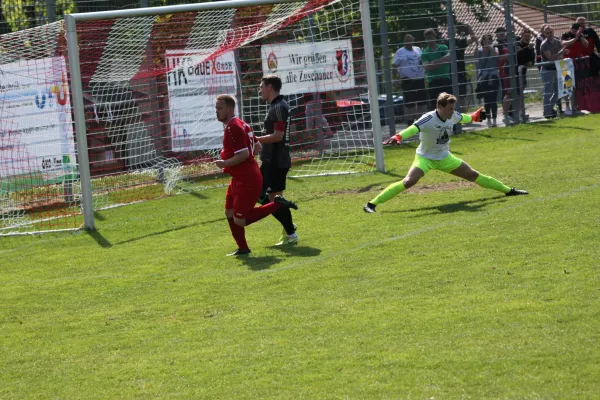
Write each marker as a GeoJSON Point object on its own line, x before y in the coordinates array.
{"type": "Point", "coordinates": [278, 118]}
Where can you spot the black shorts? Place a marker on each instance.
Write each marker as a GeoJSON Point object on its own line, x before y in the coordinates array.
{"type": "Point", "coordinates": [462, 83]}
{"type": "Point", "coordinates": [273, 178]}
{"type": "Point", "coordinates": [414, 92]}
{"type": "Point", "coordinates": [438, 86]}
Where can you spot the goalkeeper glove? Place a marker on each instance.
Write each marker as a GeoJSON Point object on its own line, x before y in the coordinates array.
{"type": "Point", "coordinates": [396, 139]}
{"type": "Point", "coordinates": [479, 115]}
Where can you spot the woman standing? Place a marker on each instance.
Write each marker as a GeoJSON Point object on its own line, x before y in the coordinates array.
{"type": "Point", "coordinates": [488, 78]}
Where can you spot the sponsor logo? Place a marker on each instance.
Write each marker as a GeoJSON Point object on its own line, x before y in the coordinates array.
{"type": "Point", "coordinates": [221, 67]}
{"type": "Point", "coordinates": [40, 101]}
{"type": "Point", "coordinates": [272, 62]}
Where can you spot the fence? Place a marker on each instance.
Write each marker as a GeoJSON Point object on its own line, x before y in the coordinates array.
{"type": "Point", "coordinates": [391, 21]}
{"type": "Point", "coordinates": [458, 29]}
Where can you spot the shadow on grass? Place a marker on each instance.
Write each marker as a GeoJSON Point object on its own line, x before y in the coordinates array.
{"type": "Point", "coordinates": [103, 242]}
{"type": "Point", "coordinates": [468, 206]}
{"type": "Point", "coordinates": [341, 192]}
{"type": "Point", "coordinates": [502, 137]}
{"type": "Point", "coordinates": [259, 263]}
{"type": "Point", "coordinates": [298, 251]}
{"type": "Point", "coordinates": [394, 175]}
{"type": "Point", "coordinates": [99, 216]}
{"type": "Point", "coordinates": [577, 128]}
{"type": "Point", "coordinates": [191, 192]}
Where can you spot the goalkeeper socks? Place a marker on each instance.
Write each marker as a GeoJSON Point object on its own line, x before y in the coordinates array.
{"type": "Point", "coordinates": [239, 234]}
{"type": "Point", "coordinates": [258, 213]}
{"type": "Point", "coordinates": [491, 183]}
{"type": "Point", "coordinates": [284, 216]}
{"type": "Point", "coordinates": [388, 193]}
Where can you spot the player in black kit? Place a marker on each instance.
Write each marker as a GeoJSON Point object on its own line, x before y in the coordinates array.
{"type": "Point", "coordinates": [275, 153]}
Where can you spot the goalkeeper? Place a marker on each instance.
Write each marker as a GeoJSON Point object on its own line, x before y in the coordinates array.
{"type": "Point", "coordinates": [434, 130]}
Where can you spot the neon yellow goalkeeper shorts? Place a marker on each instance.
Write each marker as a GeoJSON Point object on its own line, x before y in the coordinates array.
{"type": "Point", "coordinates": [446, 164]}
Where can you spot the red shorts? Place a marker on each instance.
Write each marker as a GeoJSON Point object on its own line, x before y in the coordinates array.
{"type": "Point", "coordinates": [243, 193]}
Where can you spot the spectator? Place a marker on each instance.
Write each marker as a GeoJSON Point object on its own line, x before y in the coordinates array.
{"type": "Point", "coordinates": [488, 78]}
{"type": "Point", "coordinates": [525, 59]}
{"type": "Point", "coordinates": [538, 42]}
{"type": "Point", "coordinates": [589, 34]}
{"type": "Point", "coordinates": [464, 38]}
{"type": "Point", "coordinates": [436, 61]}
{"type": "Point", "coordinates": [501, 46]}
{"type": "Point", "coordinates": [578, 47]}
{"type": "Point", "coordinates": [551, 50]}
{"type": "Point", "coordinates": [412, 74]}
{"type": "Point", "coordinates": [575, 41]}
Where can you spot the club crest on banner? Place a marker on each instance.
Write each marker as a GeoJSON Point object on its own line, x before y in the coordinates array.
{"type": "Point", "coordinates": [272, 62]}
{"type": "Point", "coordinates": [342, 65]}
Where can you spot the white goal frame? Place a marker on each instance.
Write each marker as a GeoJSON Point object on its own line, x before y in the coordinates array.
{"type": "Point", "coordinates": [71, 21]}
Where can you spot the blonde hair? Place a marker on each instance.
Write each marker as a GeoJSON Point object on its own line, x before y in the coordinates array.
{"type": "Point", "coordinates": [445, 98]}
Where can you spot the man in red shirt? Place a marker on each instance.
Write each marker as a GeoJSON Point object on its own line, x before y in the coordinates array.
{"type": "Point", "coordinates": [578, 47]}
{"type": "Point", "coordinates": [237, 160]}
{"type": "Point", "coordinates": [576, 42]}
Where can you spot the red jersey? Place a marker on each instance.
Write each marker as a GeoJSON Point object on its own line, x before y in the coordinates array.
{"type": "Point", "coordinates": [577, 49]}
{"type": "Point", "coordinates": [238, 136]}
{"type": "Point", "coordinates": [590, 49]}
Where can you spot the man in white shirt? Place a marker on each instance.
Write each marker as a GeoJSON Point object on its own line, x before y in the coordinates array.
{"type": "Point", "coordinates": [412, 74]}
{"type": "Point", "coordinates": [434, 129]}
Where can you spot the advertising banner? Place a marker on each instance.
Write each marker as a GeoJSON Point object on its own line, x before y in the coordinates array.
{"type": "Point", "coordinates": [194, 82]}
{"type": "Point", "coordinates": [36, 130]}
{"type": "Point", "coordinates": [565, 72]}
{"type": "Point", "coordinates": [310, 67]}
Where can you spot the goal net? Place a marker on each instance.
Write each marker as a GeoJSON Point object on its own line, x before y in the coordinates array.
{"type": "Point", "coordinates": [149, 85]}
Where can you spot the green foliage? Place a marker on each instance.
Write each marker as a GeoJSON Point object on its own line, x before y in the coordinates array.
{"type": "Point", "coordinates": [450, 291]}
{"type": "Point", "coordinates": [23, 14]}
{"type": "Point", "coordinates": [15, 14]}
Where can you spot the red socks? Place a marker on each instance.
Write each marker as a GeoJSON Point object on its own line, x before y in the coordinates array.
{"type": "Point", "coordinates": [258, 213]}
{"type": "Point", "coordinates": [239, 234]}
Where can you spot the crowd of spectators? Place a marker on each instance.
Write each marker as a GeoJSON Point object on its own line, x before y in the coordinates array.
{"type": "Point", "coordinates": [426, 72]}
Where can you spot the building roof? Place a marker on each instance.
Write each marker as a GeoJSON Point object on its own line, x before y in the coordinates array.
{"type": "Point", "coordinates": [523, 16]}
{"type": "Point", "coordinates": [494, 19]}
{"type": "Point", "coordinates": [535, 17]}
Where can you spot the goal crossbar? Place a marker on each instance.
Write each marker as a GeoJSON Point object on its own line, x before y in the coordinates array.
{"type": "Point", "coordinates": [144, 12]}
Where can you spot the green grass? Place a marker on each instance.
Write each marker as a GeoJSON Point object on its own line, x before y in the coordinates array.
{"type": "Point", "coordinates": [450, 291]}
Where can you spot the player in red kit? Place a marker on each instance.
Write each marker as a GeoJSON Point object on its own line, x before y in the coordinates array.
{"type": "Point", "coordinates": [237, 160]}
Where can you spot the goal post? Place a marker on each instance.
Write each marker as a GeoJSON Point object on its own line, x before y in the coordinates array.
{"type": "Point", "coordinates": [143, 84]}
{"type": "Point", "coordinates": [365, 14]}
{"type": "Point", "coordinates": [80, 129]}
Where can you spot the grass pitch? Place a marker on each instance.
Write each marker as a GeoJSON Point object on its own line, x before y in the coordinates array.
{"type": "Point", "coordinates": [450, 291]}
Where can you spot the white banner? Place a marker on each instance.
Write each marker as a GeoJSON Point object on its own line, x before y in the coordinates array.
{"type": "Point", "coordinates": [565, 76]}
{"type": "Point", "coordinates": [194, 83]}
{"type": "Point", "coordinates": [36, 130]}
{"type": "Point", "coordinates": [310, 67]}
